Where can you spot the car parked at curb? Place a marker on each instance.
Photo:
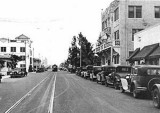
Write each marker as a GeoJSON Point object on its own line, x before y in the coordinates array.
{"type": "Point", "coordinates": [143, 79]}
{"type": "Point", "coordinates": [95, 71]}
{"type": "Point", "coordinates": [88, 72]}
{"type": "Point", "coordinates": [18, 72]}
{"type": "Point", "coordinates": [106, 70]}
{"type": "Point", "coordinates": [78, 71]}
{"type": "Point", "coordinates": [114, 78]}
{"type": "Point", "coordinates": [84, 71]}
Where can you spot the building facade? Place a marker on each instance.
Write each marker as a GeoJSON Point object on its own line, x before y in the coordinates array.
{"type": "Point", "coordinates": [148, 43]}
{"type": "Point", "coordinates": [20, 46]}
{"type": "Point", "coordinates": [120, 21]}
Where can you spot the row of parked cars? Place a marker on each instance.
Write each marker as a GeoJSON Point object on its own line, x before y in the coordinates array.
{"type": "Point", "coordinates": [140, 79]}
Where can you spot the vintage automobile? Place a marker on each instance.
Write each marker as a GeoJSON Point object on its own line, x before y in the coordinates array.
{"type": "Point", "coordinates": [88, 72]}
{"type": "Point", "coordinates": [113, 78]}
{"type": "Point", "coordinates": [78, 71]}
{"type": "Point", "coordinates": [18, 72]}
{"type": "Point", "coordinates": [83, 71]}
{"type": "Point", "coordinates": [95, 71]}
{"type": "Point", "coordinates": [106, 70]}
{"type": "Point", "coordinates": [143, 78]}
{"type": "Point", "coordinates": [41, 69]}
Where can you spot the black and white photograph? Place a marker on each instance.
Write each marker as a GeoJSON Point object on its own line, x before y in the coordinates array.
{"type": "Point", "coordinates": [79, 56]}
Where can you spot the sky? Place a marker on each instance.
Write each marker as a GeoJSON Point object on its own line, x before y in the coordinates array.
{"type": "Point", "coordinates": [51, 24]}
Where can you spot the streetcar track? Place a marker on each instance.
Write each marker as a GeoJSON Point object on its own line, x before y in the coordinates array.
{"type": "Point", "coordinates": [26, 95]}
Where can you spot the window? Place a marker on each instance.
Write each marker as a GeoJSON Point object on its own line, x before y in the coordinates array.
{"type": "Point", "coordinates": [153, 71]}
{"type": "Point", "coordinates": [22, 65]}
{"type": "Point", "coordinates": [135, 12]}
{"type": "Point", "coordinates": [13, 49]}
{"type": "Point", "coordinates": [3, 49]}
{"type": "Point", "coordinates": [157, 11]}
{"type": "Point", "coordinates": [116, 59]}
{"type": "Point", "coordinates": [116, 14]}
{"type": "Point", "coordinates": [22, 49]}
{"type": "Point", "coordinates": [23, 57]}
{"type": "Point", "coordinates": [135, 31]}
{"type": "Point", "coordinates": [116, 35]}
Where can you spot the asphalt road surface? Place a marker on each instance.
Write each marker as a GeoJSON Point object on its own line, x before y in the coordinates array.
{"type": "Point", "coordinates": [63, 92]}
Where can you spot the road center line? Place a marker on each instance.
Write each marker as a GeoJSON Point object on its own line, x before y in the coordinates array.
{"type": "Point", "coordinates": [20, 100]}
{"type": "Point", "coordinates": [50, 110]}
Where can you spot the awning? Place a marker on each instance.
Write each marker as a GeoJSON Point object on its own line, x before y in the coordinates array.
{"type": "Point", "coordinates": [133, 54]}
{"type": "Point", "coordinates": [155, 53]}
{"type": "Point", "coordinates": [145, 51]}
{"type": "Point", "coordinates": [115, 53]}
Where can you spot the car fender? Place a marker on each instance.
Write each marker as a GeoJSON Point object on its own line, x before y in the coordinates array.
{"type": "Point", "coordinates": [156, 86]}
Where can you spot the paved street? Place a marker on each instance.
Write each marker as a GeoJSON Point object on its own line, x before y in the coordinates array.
{"type": "Point", "coordinates": [73, 94]}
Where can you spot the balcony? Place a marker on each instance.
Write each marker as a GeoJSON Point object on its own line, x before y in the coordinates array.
{"type": "Point", "coordinates": [103, 47]}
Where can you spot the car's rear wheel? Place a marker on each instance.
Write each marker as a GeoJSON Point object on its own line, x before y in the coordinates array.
{"type": "Point", "coordinates": [156, 98]}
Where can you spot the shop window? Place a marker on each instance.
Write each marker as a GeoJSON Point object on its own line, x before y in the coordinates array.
{"type": "Point", "coordinates": [3, 49]}
{"type": "Point", "coordinates": [157, 11]}
{"type": "Point", "coordinates": [116, 59]}
{"type": "Point", "coordinates": [134, 11]}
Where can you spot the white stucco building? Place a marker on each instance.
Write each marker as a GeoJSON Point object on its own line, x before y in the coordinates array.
{"type": "Point", "coordinates": [20, 46]}
{"type": "Point", "coordinates": [148, 36]}
{"type": "Point", "coordinates": [147, 46]}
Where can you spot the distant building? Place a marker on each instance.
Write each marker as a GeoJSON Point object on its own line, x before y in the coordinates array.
{"type": "Point", "coordinates": [120, 21]}
{"type": "Point", "coordinates": [20, 46]}
{"type": "Point", "coordinates": [147, 46]}
{"type": "Point", "coordinates": [36, 63]}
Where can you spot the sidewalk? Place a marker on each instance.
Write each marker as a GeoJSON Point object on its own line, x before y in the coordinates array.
{"type": "Point", "coordinates": [6, 76]}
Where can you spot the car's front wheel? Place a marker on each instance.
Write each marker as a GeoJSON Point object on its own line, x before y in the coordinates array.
{"type": "Point", "coordinates": [135, 94]}
{"type": "Point", "coordinates": [156, 98]}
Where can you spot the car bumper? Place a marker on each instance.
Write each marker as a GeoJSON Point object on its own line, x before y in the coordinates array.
{"type": "Point", "coordinates": [139, 89]}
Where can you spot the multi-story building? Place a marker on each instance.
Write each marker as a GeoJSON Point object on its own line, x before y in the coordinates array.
{"type": "Point", "coordinates": [120, 21]}
{"type": "Point", "coordinates": [20, 46]}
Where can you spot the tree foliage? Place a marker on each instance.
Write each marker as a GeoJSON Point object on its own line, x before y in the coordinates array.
{"type": "Point", "coordinates": [73, 58]}
{"type": "Point", "coordinates": [86, 50]}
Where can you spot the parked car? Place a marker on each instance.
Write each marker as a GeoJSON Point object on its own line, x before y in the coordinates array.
{"type": "Point", "coordinates": [84, 71]}
{"type": "Point", "coordinates": [113, 78]}
{"type": "Point", "coordinates": [88, 71]}
{"type": "Point", "coordinates": [95, 71]}
{"type": "Point", "coordinates": [78, 71]}
{"type": "Point", "coordinates": [106, 70]}
{"type": "Point", "coordinates": [18, 72]}
{"type": "Point", "coordinates": [41, 69]}
{"type": "Point", "coordinates": [143, 78]}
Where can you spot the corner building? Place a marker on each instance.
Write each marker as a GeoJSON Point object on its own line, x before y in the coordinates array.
{"type": "Point", "coordinates": [120, 21]}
